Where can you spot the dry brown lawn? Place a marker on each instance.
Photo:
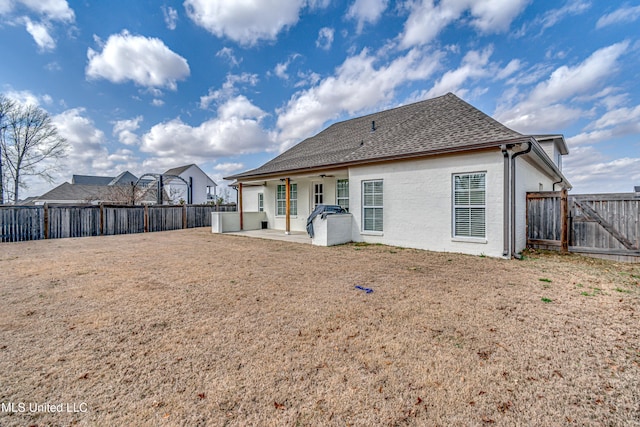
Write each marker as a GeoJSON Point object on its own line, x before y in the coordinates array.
{"type": "Point", "coordinates": [190, 328]}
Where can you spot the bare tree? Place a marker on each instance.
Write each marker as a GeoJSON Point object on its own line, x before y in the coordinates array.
{"type": "Point", "coordinates": [128, 194]}
{"type": "Point", "coordinates": [6, 105]}
{"type": "Point", "coordinates": [30, 138]}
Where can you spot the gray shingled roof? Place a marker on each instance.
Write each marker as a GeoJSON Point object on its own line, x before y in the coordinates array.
{"type": "Point", "coordinates": [177, 171]}
{"type": "Point", "coordinates": [68, 191]}
{"type": "Point", "coordinates": [125, 178]}
{"type": "Point", "coordinates": [91, 180]}
{"type": "Point", "coordinates": [436, 125]}
{"type": "Point", "coordinates": [86, 193]}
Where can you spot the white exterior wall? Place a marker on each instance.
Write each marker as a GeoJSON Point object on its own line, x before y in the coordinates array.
{"type": "Point", "coordinates": [178, 190]}
{"type": "Point", "coordinates": [417, 202]}
{"type": "Point", "coordinates": [250, 198]}
{"type": "Point", "coordinates": [528, 179]}
{"type": "Point", "coordinates": [305, 200]}
{"type": "Point", "coordinates": [551, 148]}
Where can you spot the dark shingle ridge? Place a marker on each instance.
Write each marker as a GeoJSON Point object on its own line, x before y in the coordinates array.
{"type": "Point", "coordinates": [434, 125]}
{"type": "Point", "coordinates": [178, 170]}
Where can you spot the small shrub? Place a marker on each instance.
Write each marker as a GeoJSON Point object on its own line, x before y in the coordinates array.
{"type": "Point", "coordinates": [546, 300]}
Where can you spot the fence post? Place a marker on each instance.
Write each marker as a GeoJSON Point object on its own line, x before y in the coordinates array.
{"type": "Point", "coordinates": [146, 218]}
{"type": "Point", "coordinates": [46, 221]}
{"type": "Point", "coordinates": [101, 219]}
{"type": "Point", "coordinates": [184, 216]}
{"type": "Point", "coordinates": [564, 221]}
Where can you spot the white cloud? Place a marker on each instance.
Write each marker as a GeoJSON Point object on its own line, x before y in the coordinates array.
{"type": "Point", "coordinates": [157, 102]}
{"type": "Point", "coordinates": [236, 130]}
{"type": "Point", "coordinates": [46, 12]}
{"type": "Point", "coordinates": [474, 65]}
{"type": "Point", "coordinates": [6, 6]}
{"type": "Point", "coordinates": [308, 78]}
{"type": "Point", "coordinates": [542, 106]}
{"type": "Point", "coordinates": [495, 16]}
{"type": "Point", "coordinates": [244, 21]}
{"type": "Point", "coordinates": [572, 7]}
{"type": "Point", "coordinates": [40, 34]}
{"type": "Point", "coordinates": [124, 129]}
{"type": "Point", "coordinates": [325, 38]}
{"type": "Point", "coordinates": [427, 19]}
{"type": "Point", "coordinates": [228, 168]}
{"type": "Point", "coordinates": [228, 88]}
{"type": "Point", "coordinates": [513, 66]}
{"type": "Point", "coordinates": [280, 69]}
{"type": "Point", "coordinates": [145, 61]}
{"type": "Point", "coordinates": [227, 53]}
{"type": "Point", "coordinates": [592, 171]}
{"type": "Point", "coordinates": [618, 116]}
{"type": "Point", "coordinates": [50, 10]}
{"type": "Point", "coordinates": [87, 143]}
{"type": "Point", "coordinates": [26, 97]}
{"type": "Point", "coordinates": [318, 4]}
{"type": "Point", "coordinates": [170, 17]}
{"type": "Point", "coordinates": [366, 11]}
{"type": "Point", "coordinates": [357, 86]}
{"type": "Point", "coordinates": [623, 15]}
{"type": "Point", "coordinates": [616, 123]}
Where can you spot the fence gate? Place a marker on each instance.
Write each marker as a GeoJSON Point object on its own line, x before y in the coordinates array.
{"type": "Point", "coordinates": [602, 225]}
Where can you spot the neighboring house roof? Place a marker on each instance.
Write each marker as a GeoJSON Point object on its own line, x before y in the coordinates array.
{"type": "Point", "coordinates": [439, 125]}
{"type": "Point", "coordinates": [91, 180]}
{"type": "Point", "coordinates": [88, 193]}
{"type": "Point", "coordinates": [29, 201]}
{"type": "Point", "coordinates": [181, 169]}
{"type": "Point", "coordinates": [125, 178]}
{"type": "Point", "coordinates": [66, 191]}
{"type": "Point", "coordinates": [177, 171]}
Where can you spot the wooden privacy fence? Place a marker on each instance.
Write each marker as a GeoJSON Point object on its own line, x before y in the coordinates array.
{"type": "Point", "coordinates": [20, 223]}
{"type": "Point", "coordinates": [603, 225]}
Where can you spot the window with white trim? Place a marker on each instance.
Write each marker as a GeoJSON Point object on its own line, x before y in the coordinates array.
{"type": "Point", "coordinates": [342, 193]}
{"type": "Point", "coordinates": [281, 199]}
{"type": "Point", "coordinates": [469, 209]}
{"type": "Point", "coordinates": [372, 209]}
{"type": "Point", "coordinates": [260, 202]}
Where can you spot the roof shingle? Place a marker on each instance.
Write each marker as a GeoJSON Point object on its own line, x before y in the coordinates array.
{"type": "Point", "coordinates": [430, 126]}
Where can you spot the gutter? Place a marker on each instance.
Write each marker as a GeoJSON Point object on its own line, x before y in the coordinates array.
{"type": "Point", "coordinates": [513, 198]}
{"type": "Point", "coordinates": [553, 188]}
{"type": "Point", "coordinates": [505, 197]}
{"type": "Point", "coordinates": [542, 155]}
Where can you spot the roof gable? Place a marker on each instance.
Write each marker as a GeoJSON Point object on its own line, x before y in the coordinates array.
{"type": "Point", "coordinates": [125, 178]}
{"type": "Point", "coordinates": [426, 127]}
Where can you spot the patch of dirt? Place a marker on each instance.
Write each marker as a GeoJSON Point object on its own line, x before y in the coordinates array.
{"type": "Point", "coordinates": [191, 328]}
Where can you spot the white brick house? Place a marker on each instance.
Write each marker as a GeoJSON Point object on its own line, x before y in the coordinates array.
{"type": "Point", "coordinates": [438, 175]}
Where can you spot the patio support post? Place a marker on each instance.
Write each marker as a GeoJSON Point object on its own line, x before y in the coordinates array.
{"type": "Point", "coordinates": [288, 206]}
{"type": "Point", "coordinates": [240, 205]}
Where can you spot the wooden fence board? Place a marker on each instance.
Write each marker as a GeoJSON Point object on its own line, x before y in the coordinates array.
{"type": "Point", "coordinates": [73, 221]}
{"type": "Point", "coordinates": [605, 224]}
{"type": "Point", "coordinates": [19, 223]}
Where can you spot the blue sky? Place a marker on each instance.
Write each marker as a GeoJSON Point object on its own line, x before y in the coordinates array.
{"type": "Point", "coordinates": [146, 85]}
